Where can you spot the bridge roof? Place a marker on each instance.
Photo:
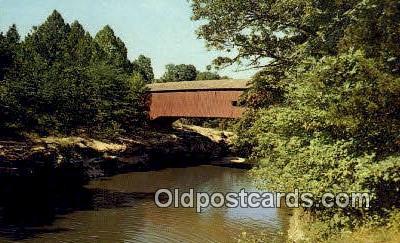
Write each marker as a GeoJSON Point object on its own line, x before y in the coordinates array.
{"type": "Point", "coordinates": [222, 84]}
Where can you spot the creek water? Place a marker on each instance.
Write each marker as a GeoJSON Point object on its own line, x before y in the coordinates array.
{"type": "Point", "coordinates": [121, 208]}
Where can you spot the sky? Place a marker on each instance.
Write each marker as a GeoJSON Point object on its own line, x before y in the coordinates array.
{"type": "Point", "coordinates": [159, 29]}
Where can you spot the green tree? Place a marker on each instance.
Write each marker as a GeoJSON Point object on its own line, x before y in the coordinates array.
{"type": "Point", "coordinates": [4, 62]}
{"type": "Point", "coordinates": [12, 35]}
{"type": "Point", "coordinates": [339, 133]}
{"type": "Point", "coordinates": [9, 49]}
{"type": "Point", "coordinates": [40, 87]}
{"type": "Point", "coordinates": [181, 72]}
{"type": "Point", "coordinates": [323, 111]}
{"type": "Point", "coordinates": [9, 44]}
{"type": "Point", "coordinates": [207, 75]}
{"type": "Point", "coordinates": [118, 98]}
{"type": "Point", "coordinates": [374, 28]}
{"type": "Point", "coordinates": [113, 48]}
{"type": "Point", "coordinates": [49, 40]}
{"type": "Point", "coordinates": [82, 50]}
{"type": "Point", "coordinates": [275, 35]}
{"type": "Point", "coordinates": [142, 65]}
{"type": "Point", "coordinates": [62, 80]}
{"type": "Point", "coordinates": [272, 33]}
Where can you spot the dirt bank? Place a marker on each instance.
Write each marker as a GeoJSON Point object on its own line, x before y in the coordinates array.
{"type": "Point", "coordinates": [181, 146]}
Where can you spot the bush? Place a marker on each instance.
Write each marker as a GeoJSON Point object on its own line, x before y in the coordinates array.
{"type": "Point", "coordinates": [338, 130]}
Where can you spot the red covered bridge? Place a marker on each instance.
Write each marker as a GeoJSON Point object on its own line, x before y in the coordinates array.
{"type": "Point", "coordinates": [206, 99]}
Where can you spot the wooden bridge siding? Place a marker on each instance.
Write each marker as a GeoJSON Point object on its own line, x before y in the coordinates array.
{"type": "Point", "coordinates": [217, 104]}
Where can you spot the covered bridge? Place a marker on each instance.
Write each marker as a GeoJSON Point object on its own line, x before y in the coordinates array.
{"type": "Point", "coordinates": [206, 99]}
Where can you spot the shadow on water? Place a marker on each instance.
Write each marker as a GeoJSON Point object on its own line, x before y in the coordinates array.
{"type": "Point", "coordinates": [28, 205]}
{"type": "Point", "coordinates": [57, 207]}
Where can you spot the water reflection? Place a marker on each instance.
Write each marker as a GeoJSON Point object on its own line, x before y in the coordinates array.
{"type": "Point", "coordinates": [121, 209]}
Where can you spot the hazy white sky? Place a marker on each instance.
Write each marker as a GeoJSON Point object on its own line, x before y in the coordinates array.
{"type": "Point", "coordinates": [159, 29]}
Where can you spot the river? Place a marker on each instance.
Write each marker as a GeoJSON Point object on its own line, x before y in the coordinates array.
{"type": "Point", "coordinates": [122, 209]}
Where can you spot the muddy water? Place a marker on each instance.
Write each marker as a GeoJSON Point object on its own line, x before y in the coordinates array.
{"type": "Point", "coordinates": [122, 209]}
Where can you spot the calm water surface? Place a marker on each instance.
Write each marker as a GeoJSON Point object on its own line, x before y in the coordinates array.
{"type": "Point", "coordinates": [121, 209]}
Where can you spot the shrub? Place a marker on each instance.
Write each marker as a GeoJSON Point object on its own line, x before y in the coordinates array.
{"type": "Point", "coordinates": [338, 130]}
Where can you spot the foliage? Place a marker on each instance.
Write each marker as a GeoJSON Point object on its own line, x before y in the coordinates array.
{"type": "Point", "coordinates": [337, 131]}
{"type": "Point", "coordinates": [188, 72]}
{"type": "Point", "coordinates": [277, 35]}
{"type": "Point", "coordinates": [267, 31]}
{"type": "Point", "coordinates": [181, 72]}
{"type": "Point", "coordinates": [8, 45]}
{"type": "Point", "coordinates": [118, 98]}
{"type": "Point", "coordinates": [142, 65]}
{"type": "Point", "coordinates": [217, 123]}
{"type": "Point", "coordinates": [113, 48]}
{"type": "Point", "coordinates": [207, 75]}
{"type": "Point", "coordinates": [317, 231]}
{"type": "Point", "coordinates": [266, 90]}
{"type": "Point", "coordinates": [324, 109]}
{"type": "Point", "coordinates": [60, 79]}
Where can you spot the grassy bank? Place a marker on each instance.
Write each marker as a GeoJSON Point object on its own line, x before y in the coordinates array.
{"type": "Point", "coordinates": [305, 228]}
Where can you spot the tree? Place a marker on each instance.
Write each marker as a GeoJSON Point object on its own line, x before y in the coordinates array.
{"type": "Point", "coordinates": [337, 133]}
{"type": "Point", "coordinates": [3, 56]}
{"type": "Point", "coordinates": [9, 49]}
{"type": "Point", "coordinates": [12, 35]}
{"type": "Point", "coordinates": [49, 40]}
{"type": "Point", "coordinates": [142, 65]}
{"type": "Point", "coordinates": [207, 75]}
{"type": "Point", "coordinates": [9, 44]}
{"type": "Point", "coordinates": [374, 28]}
{"type": "Point", "coordinates": [277, 34]}
{"type": "Point", "coordinates": [60, 79]}
{"type": "Point", "coordinates": [271, 33]}
{"type": "Point", "coordinates": [117, 98]}
{"type": "Point", "coordinates": [181, 72]}
{"type": "Point", "coordinates": [82, 50]}
{"type": "Point", "coordinates": [324, 109]}
{"type": "Point", "coordinates": [41, 84]}
{"type": "Point", "coordinates": [113, 48]}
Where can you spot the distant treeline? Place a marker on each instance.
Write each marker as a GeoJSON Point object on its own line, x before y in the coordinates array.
{"type": "Point", "coordinates": [184, 72]}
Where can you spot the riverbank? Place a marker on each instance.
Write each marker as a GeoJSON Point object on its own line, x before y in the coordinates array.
{"type": "Point", "coordinates": [42, 177]}
{"type": "Point", "coordinates": [182, 145]}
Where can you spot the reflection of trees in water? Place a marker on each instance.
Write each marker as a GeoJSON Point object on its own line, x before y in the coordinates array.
{"type": "Point", "coordinates": [29, 207]}
{"type": "Point", "coordinates": [33, 208]}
